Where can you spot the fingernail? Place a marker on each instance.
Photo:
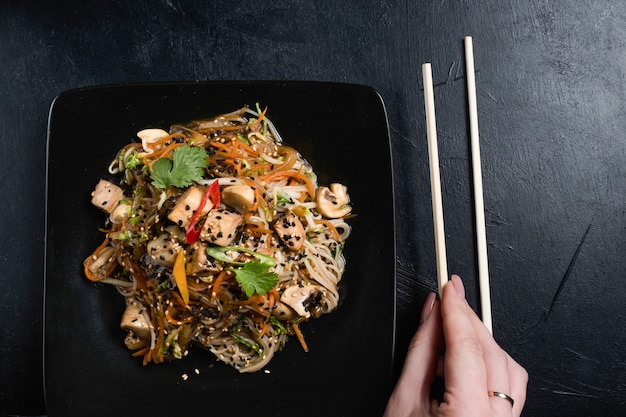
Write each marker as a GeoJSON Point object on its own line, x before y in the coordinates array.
{"type": "Point", "coordinates": [428, 307]}
{"type": "Point", "coordinates": [458, 286]}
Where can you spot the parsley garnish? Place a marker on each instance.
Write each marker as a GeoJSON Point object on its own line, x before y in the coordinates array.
{"type": "Point", "coordinates": [186, 166]}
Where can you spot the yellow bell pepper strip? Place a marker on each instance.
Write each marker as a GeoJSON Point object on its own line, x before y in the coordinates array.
{"type": "Point", "coordinates": [180, 276]}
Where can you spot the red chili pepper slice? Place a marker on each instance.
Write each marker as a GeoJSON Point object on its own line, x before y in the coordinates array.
{"type": "Point", "coordinates": [212, 192]}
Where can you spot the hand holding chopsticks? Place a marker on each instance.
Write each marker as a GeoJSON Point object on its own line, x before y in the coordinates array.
{"type": "Point", "coordinates": [487, 380]}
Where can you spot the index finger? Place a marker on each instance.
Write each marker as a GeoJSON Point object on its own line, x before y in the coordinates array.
{"type": "Point", "coordinates": [464, 368]}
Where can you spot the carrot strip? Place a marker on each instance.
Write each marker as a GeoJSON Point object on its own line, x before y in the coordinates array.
{"type": "Point", "coordinates": [248, 149]}
{"type": "Point", "coordinates": [218, 283]}
{"type": "Point", "coordinates": [255, 299]}
{"type": "Point", "coordinates": [150, 159]}
{"type": "Point", "coordinates": [174, 321]}
{"type": "Point", "coordinates": [300, 336]}
{"type": "Point", "coordinates": [153, 145]}
{"type": "Point", "coordinates": [278, 175]}
{"type": "Point", "coordinates": [331, 227]}
{"type": "Point", "coordinates": [273, 298]}
{"type": "Point", "coordinates": [257, 123]}
{"type": "Point", "coordinates": [264, 328]}
{"type": "Point", "coordinates": [141, 351]}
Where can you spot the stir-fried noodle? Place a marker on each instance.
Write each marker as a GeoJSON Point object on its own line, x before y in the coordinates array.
{"type": "Point", "coordinates": [219, 235]}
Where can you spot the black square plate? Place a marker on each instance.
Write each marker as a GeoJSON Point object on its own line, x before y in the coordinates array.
{"type": "Point", "coordinates": [341, 129]}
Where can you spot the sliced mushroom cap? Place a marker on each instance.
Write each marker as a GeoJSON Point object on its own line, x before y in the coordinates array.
{"type": "Point", "coordinates": [136, 324]}
{"type": "Point", "coordinates": [283, 311]}
{"type": "Point", "coordinates": [303, 299]}
{"type": "Point", "coordinates": [239, 197]}
{"type": "Point", "coordinates": [102, 264]}
{"type": "Point", "coordinates": [333, 202]}
{"type": "Point", "coordinates": [150, 135]}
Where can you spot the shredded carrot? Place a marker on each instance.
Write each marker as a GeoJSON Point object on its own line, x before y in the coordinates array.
{"type": "Point", "coordinates": [150, 159]}
{"type": "Point", "coordinates": [331, 227]}
{"type": "Point", "coordinates": [153, 145]}
{"type": "Point", "coordinates": [264, 328]}
{"type": "Point", "coordinates": [180, 301]}
{"type": "Point", "coordinates": [255, 299]}
{"type": "Point", "coordinates": [226, 151]}
{"type": "Point", "coordinates": [142, 351]}
{"type": "Point", "coordinates": [160, 338]}
{"type": "Point", "coordinates": [257, 123]}
{"type": "Point", "coordinates": [176, 322]}
{"type": "Point", "coordinates": [218, 283]}
{"type": "Point", "coordinates": [293, 174]}
{"type": "Point", "coordinates": [296, 330]}
{"type": "Point", "coordinates": [273, 298]}
{"type": "Point", "coordinates": [249, 149]}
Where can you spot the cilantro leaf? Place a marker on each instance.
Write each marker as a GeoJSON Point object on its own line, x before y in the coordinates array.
{"type": "Point", "coordinates": [185, 167]}
{"type": "Point", "coordinates": [255, 277]}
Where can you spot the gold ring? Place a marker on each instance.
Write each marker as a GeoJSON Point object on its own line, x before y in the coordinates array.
{"type": "Point", "coordinates": [501, 395]}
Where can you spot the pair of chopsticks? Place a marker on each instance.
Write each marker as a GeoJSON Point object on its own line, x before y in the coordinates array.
{"type": "Point", "coordinates": [435, 183]}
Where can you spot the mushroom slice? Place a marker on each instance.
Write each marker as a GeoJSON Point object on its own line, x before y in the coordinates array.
{"type": "Point", "coordinates": [135, 323]}
{"type": "Point", "coordinates": [283, 312]}
{"type": "Point", "coordinates": [332, 202]}
{"type": "Point", "coordinates": [148, 136]}
{"type": "Point", "coordinates": [304, 299]}
{"type": "Point", "coordinates": [103, 264]}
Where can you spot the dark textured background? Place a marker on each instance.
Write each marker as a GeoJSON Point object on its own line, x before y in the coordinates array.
{"type": "Point", "coordinates": [551, 81]}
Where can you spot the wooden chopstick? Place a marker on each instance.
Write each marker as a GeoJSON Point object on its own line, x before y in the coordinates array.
{"type": "Point", "coordinates": [435, 180]}
{"type": "Point", "coordinates": [479, 209]}
{"type": "Point", "coordinates": [435, 184]}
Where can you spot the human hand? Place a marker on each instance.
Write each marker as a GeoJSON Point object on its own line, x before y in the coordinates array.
{"type": "Point", "coordinates": [473, 365]}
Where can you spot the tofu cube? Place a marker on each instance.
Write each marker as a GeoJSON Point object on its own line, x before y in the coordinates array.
{"type": "Point", "coordinates": [187, 205]}
{"type": "Point", "coordinates": [198, 261]}
{"type": "Point", "coordinates": [106, 195]}
{"type": "Point", "coordinates": [291, 231]}
{"type": "Point", "coordinates": [221, 227]}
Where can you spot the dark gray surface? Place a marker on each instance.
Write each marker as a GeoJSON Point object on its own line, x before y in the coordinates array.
{"type": "Point", "coordinates": [551, 106]}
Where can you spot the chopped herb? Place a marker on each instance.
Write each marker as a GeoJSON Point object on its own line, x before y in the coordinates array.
{"type": "Point", "coordinates": [253, 276]}
{"type": "Point", "coordinates": [132, 161]}
{"type": "Point", "coordinates": [186, 166]}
